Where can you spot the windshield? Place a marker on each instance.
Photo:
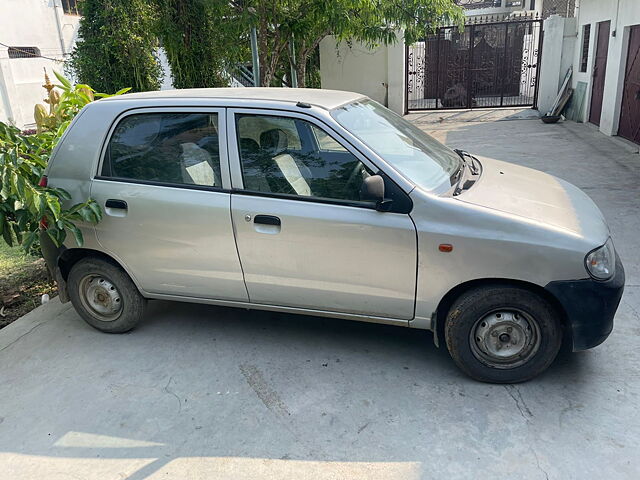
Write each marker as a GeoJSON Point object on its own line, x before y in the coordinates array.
{"type": "Point", "coordinates": [416, 155]}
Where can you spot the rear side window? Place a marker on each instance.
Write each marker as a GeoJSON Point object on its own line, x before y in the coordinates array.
{"type": "Point", "coordinates": [173, 148]}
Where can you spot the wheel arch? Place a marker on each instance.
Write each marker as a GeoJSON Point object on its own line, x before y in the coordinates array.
{"type": "Point", "coordinates": [70, 256]}
{"type": "Point", "coordinates": [447, 300]}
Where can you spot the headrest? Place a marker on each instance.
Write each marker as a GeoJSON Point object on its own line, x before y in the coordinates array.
{"type": "Point", "coordinates": [274, 140]}
{"type": "Point", "coordinates": [249, 146]}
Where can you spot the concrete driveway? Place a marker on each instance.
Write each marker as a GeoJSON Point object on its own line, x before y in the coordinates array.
{"type": "Point", "coordinates": [203, 392]}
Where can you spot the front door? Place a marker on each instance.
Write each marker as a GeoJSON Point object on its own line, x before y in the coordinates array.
{"type": "Point", "coordinates": [305, 238]}
{"type": "Point", "coordinates": [599, 72]}
{"type": "Point", "coordinates": [165, 195]}
{"type": "Point", "coordinates": [630, 114]}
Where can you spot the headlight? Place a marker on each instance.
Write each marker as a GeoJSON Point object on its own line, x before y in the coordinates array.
{"type": "Point", "coordinates": [601, 262]}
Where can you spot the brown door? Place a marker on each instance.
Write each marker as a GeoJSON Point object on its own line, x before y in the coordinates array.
{"type": "Point", "coordinates": [630, 114]}
{"type": "Point", "coordinates": [599, 72]}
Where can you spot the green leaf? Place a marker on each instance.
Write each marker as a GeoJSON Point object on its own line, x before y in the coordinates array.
{"type": "Point", "coordinates": [95, 208]}
{"type": "Point", "coordinates": [6, 234]}
{"type": "Point", "coordinates": [54, 206]}
{"type": "Point", "coordinates": [52, 233]}
{"type": "Point", "coordinates": [65, 83]}
{"type": "Point", "coordinates": [77, 234]}
{"type": "Point", "coordinates": [27, 242]}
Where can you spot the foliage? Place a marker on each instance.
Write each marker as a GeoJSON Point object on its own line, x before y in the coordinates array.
{"type": "Point", "coordinates": [200, 47]}
{"type": "Point", "coordinates": [304, 23]}
{"type": "Point", "coordinates": [117, 45]}
{"type": "Point", "coordinates": [23, 158]}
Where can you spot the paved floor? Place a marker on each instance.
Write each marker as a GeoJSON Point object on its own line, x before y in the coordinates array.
{"type": "Point", "coordinates": [202, 392]}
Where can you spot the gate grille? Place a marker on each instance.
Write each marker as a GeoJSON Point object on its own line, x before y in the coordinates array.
{"type": "Point", "coordinates": [488, 64]}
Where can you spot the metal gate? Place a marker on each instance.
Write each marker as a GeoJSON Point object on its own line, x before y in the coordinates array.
{"type": "Point", "coordinates": [491, 63]}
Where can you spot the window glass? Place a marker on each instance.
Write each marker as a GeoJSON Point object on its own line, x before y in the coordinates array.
{"type": "Point", "coordinates": [177, 148]}
{"type": "Point", "coordinates": [294, 157]}
{"type": "Point", "coordinates": [325, 142]}
{"type": "Point", "coordinates": [415, 154]}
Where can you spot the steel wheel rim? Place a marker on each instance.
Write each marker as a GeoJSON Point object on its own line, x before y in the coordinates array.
{"type": "Point", "coordinates": [100, 297]}
{"type": "Point", "coordinates": [505, 338]}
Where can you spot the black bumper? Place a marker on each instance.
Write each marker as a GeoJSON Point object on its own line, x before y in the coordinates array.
{"type": "Point", "coordinates": [590, 306]}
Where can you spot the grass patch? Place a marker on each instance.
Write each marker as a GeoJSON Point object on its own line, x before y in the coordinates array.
{"type": "Point", "coordinates": [23, 281]}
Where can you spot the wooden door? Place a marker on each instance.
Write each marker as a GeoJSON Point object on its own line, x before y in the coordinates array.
{"type": "Point", "coordinates": [630, 114]}
{"type": "Point", "coordinates": [599, 72]}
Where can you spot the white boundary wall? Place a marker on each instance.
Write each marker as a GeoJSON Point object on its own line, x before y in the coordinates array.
{"type": "Point", "coordinates": [377, 73]}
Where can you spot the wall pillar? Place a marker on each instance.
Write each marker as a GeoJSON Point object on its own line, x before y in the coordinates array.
{"type": "Point", "coordinates": [551, 64]}
{"type": "Point", "coordinates": [396, 75]}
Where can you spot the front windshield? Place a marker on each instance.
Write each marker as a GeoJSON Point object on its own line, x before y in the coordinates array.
{"type": "Point", "coordinates": [416, 155]}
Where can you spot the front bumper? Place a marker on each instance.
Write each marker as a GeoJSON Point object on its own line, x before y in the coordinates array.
{"type": "Point", "coordinates": [590, 306]}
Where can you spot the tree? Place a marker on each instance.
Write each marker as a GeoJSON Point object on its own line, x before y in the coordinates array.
{"type": "Point", "coordinates": [117, 45]}
{"type": "Point", "coordinates": [200, 45]}
{"type": "Point", "coordinates": [304, 23]}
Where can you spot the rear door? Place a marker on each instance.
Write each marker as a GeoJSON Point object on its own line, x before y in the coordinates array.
{"type": "Point", "coordinates": [305, 238]}
{"type": "Point", "coordinates": [163, 184]}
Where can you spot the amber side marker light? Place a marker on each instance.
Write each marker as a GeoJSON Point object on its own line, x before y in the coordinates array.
{"type": "Point", "coordinates": [445, 247]}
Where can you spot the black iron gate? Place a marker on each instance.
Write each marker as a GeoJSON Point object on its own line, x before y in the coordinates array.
{"type": "Point", "coordinates": [491, 63]}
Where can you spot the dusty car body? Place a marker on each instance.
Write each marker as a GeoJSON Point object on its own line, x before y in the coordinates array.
{"type": "Point", "coordinates": [325, 203]}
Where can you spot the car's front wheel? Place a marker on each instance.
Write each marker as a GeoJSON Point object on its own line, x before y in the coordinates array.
{"type": "Point", "coordinates": [502, 334]}
{"type": "Point", "coordinates": [104, 296]}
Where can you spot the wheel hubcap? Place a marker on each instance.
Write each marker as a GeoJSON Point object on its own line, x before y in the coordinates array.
{"type": "Point", "coordinates": [100, 297]}
{"type": "Point", "coordinates": [505, 338]}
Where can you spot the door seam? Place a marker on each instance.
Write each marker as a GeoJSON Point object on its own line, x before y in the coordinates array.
{"type": "Point", "coordinates": [235, 242]}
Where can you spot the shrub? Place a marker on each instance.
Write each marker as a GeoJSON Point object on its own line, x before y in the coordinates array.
{"type": "Point", "coordinates": [25, 205]}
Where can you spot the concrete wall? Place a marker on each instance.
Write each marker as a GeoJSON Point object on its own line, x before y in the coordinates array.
{"type": "Point", "coordinates": [557, 56]}
{"type": "Point", "coordinates": [377, 73]}
{"type": "Point", "coordinates": [31, 23]}
{"type": "Point", "coordinates": [622, 14]}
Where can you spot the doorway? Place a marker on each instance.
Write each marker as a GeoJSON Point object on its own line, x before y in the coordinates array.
{"type": "Point", "coordinates": [630, 113]}
{"type": "Point", "coordinates": [599, 72]}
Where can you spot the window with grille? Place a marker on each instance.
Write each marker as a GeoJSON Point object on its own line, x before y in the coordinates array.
{"type": "Point", "coordinates": [584, 56]}
{"type": "Point", "coordinates": [70, 7]}
{"type": "Point", "coordinates": [23, 52]}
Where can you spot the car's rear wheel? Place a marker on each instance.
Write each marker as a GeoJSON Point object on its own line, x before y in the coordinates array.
{"type": "Point", "coordinates": [502, 334]}
{"type": "Point", "coordinates": [104, 296]}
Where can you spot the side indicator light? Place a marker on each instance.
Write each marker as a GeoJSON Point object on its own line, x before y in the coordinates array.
{"type": "Point", "coordinates": [445, 247]}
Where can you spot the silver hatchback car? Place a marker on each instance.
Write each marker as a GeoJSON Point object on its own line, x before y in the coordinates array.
{"type": "Point", "coordinates": [326, 203]}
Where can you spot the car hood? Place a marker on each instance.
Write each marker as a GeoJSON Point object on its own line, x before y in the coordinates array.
{"type": "Point", "coordinates": [536, 196]}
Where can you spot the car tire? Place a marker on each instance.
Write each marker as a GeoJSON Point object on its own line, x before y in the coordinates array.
{"type": "Point", "coordinates": [502, 334]}
{"type": "Point", "coordinates": [104, 296]}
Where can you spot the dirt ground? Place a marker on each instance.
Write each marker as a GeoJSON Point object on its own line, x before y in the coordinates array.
{"type": "Point", "coordinates": [22, 285]}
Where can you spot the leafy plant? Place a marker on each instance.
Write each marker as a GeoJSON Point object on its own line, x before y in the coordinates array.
{"type": "Point", "coordinates": [26, 205]}
{"type": "Point", "coordinates": [117, 45]}
{"type": "Point", "coordinates": [200, 46]}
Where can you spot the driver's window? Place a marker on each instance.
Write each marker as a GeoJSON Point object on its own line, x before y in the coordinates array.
{"type": "Point", "coordinates": [285, 155]}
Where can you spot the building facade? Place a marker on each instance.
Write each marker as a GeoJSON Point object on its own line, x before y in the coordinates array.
{"type": "Point", "coordinates": [34, 35]}
{"type": "Point", "coordinates": [606, 65]}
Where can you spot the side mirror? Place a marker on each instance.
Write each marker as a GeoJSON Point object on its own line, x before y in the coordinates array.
{"type": "Point", "coordinates": [373, 190]}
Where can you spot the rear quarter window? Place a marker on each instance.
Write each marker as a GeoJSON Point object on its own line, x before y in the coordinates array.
{"type": "Point", "coordinates": [170, 148]}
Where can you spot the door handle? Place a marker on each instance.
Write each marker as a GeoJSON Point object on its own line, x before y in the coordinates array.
{"type": "Point", "coordinates": [113, 203]}
{"type": "Point", "coordinates": [267, 220]}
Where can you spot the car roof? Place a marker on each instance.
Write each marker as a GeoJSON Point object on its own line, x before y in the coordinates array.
{"type": "Point", "coordinates": [327, 99]}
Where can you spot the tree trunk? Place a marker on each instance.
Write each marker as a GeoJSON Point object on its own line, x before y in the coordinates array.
{"type": "Point", "coordinates": [301, 72]}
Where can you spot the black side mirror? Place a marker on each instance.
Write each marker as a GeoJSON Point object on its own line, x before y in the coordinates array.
{"type": "Point", "coordinates": [373, 190]}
